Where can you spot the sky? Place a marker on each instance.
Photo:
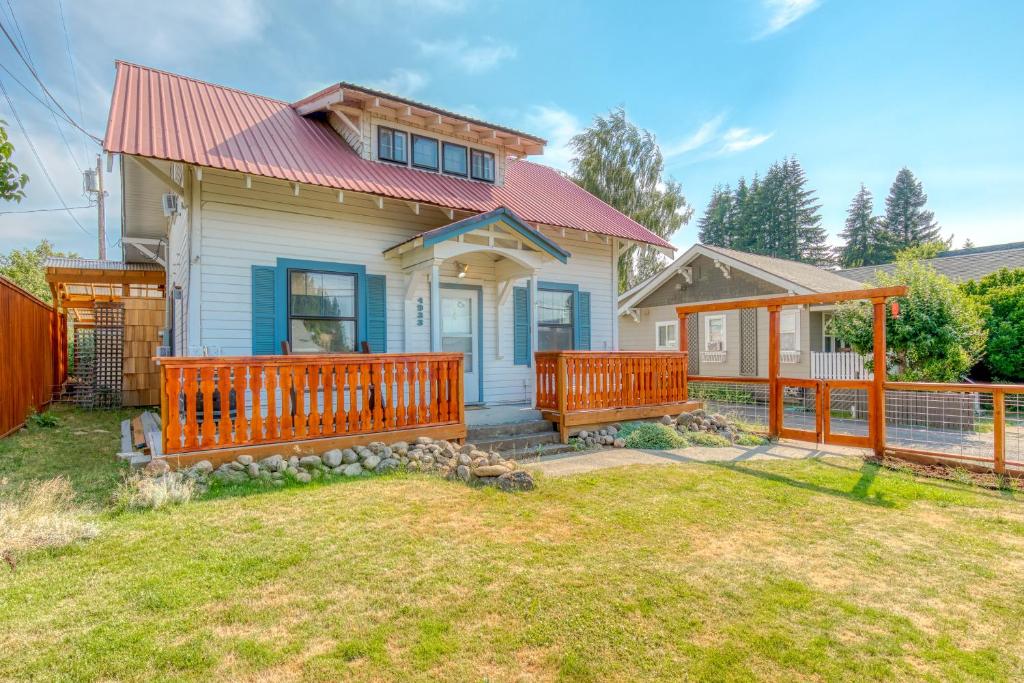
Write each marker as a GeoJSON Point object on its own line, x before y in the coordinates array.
{"type": "Point", "coordinates": [855, 89]}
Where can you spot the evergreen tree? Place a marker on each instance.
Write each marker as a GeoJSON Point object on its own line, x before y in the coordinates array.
{"type": "Point", "coordinates": [744, 236]}
{"type": "Point", "coordinates": [907, 223]}
{"type": "Point", "coordinates": [861, 232]}
{"type": "Point", "coordinates": [716, 227]}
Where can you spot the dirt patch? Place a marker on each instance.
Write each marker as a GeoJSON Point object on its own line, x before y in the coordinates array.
{"type": "Point", "coordinates": [987, 480]}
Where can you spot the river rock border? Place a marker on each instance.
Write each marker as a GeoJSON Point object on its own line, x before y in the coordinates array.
{"type": "Point", "coordinates": [449, 460]}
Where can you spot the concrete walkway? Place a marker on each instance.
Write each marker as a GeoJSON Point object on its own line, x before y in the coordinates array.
{"type": "Point", "coordinates": [590, 461]}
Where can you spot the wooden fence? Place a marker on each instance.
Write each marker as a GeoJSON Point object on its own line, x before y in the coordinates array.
{"type": "Point", "coordinates": [591, 387]}
{"type": "Point", "coordinates": [228, 402]}
{"type": "Point", "coordinates": [33, 354]}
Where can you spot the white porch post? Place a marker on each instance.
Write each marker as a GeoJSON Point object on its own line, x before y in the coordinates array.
{"type": "Point", "coordinates": [534, 339]}
{"type": "Point", "coordinates": [435, 307]}
{"type": "Point", "coordinates": [615, 295]}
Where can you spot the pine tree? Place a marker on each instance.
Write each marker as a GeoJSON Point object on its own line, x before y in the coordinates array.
{"type": "Point", "coordinates": [715, 225]}
{"type": "Point", "coordinates": [744, 234]}
{"type": "Point", "coordinates": [907, 223]}
{"type": "Point", "coordinates": [861, 233]}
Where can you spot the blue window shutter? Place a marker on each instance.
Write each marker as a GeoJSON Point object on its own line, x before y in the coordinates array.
{"type": "Point", "coordinates": [583, 316]}
{"type": "Point", "coordinates": [521, 325]}
{"type": "Point", "coordinates": [377, 313]}
{"type": "Point", "coordinates": [263, 307]}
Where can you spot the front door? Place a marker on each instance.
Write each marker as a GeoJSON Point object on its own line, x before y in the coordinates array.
{"type": "Point", "coordinates": [460, 333]}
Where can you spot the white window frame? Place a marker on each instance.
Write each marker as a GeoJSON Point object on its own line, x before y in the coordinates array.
{"type": "Point", "coordinates": [795, 314]}
{"type": "Point", "coordinates": [674, 326]}
{"type": "Point", "coordinates": [707, 332]}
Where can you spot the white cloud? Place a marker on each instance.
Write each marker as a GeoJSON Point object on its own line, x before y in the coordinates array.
{"type": "Point", "coordinates": [785, 12]}
{"type": "Point", "coordinates": [699, 138]}
{"type": "Point", "coordinates": [557, 126]}
{"type": "Point", "coordinates": [401, 82]}
{"type": "Point", "coordinates": [471, 58]}
{"type": "Point", "coordinates": [742, 139]}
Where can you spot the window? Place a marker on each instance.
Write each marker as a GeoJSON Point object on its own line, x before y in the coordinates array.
{"type": "Point", "coordinates": [789, 328]}
{"type": "Point", "coordinates": [482, 166]}
{"type": "Point", "coordinates": [391, 145]}
{"type": "Point", "coordinates": [424, 152]}
{"type": "Point", "coordinates": [666, 336]}
{"type": "Point", "coordinates": [714, 333]}
{"type": "Point", "coordinates": [454, 159]}
{"type": "Point", "coordinates": [321, 312]}
{"type": "Point", "coordinates": [554, 320]}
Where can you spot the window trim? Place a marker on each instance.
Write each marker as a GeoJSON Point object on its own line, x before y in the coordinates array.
{"type": "Point", "coordinates": [290, 316]}
{"type": "Point", "coordinates": [282, 300]}
{"type": "Point", "coordinates": [672, 324]}
{"type": "Point", "coordinates": [574, 290]}
{"type": "Point", "coordinates": [707, 332]}
{"type": "Point", "coordinates": [393, 131]}
{"type": "Point", "coordinates": [795, 314]}
{"type": "Point", "coordinates": [412, 152]}
{"type": "Point", "coordinates": [494, 165]}
{"type": "Point", "coordinates": [444, 144]}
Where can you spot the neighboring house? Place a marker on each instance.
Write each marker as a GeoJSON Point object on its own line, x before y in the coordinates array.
{"type": "Point", "coordinates": [353, 216]}
{"type": "Point", "coordinates": [958, 265]}
{"type": "Point", "coordinates": [735, 343]}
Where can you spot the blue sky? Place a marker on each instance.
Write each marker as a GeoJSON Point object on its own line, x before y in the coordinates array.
{"type": "Point", "coordinates": [855, 89]}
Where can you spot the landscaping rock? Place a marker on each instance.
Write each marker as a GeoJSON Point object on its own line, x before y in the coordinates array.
{"type": "Point", "coordinates": [463, 473]}
{"type": "Point", "coordinates": [244, 460]}
{"type": "Point", "coordinates": [253, 470]}
{"type": "Point", "coordinates": [490, 470]}
{"type": "Point", "coordinates": [520, 480]}
{"type": "Point", "coordinates": [156, 467]}
{"type": "Point", "coordinates": [371, 462]}
{"type": "Point", "coordinates": [667, 420]}
{"type": "Point", "coordinates": [274, 463]}
{"type": "Point", "coordinates": [619, 443]}
{"type": "Point", "coordinates": [332, 458]}
{"type": "Point", "coordinates": [303, 477]}
{"type": "Point", "coordinates": [309, 461]}
{"type": "Point", "coordinates": [203, 467]}
{"type": "Point", "coordinates": [353, 470]}
{"type": "Point", "coordinates": [349, 456]}
{"type": "Point", "coordinates": [387, 465]}
{"type": "Point", "coordinates": [423, 440]}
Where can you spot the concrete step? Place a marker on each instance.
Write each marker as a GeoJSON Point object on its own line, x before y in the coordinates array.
{"type": "Point", "coordinates": [540, 452]}
{"type": "Point", "coordinates": [490, 432]}
{"type": "Point", "coordinates": [522, 443]}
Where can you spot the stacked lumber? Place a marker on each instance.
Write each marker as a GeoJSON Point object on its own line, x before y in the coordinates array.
{"type": "Point", "coordinates": [140, 436]}
{"type": "Point", "coordinates": [143, 319]}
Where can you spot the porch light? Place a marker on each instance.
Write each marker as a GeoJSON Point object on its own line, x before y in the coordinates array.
{"type": "Point", "coordinates": [462, 269]}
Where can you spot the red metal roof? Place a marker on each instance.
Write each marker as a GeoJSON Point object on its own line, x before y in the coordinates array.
{"type": "Point", "coordinates": [165, 116]}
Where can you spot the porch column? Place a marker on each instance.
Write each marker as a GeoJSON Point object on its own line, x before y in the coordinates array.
{"type": "Point", "coordinates": [533, 338]}
{"type": "Point", "coordinates": [435, 307]}
{"type": "Point", "coordinates": [878, 384]}
{"type": "Point", "coordinates": [615, 295]}
{"type": "Point", "coordinates": [774, 394]}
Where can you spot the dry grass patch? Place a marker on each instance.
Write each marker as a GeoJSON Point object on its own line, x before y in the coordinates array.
{"type": "Point", "coordinates": [42, 517]}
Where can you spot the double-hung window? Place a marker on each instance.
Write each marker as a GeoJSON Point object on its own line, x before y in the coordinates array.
{"type": "Point", "coordinates": [424, 152]}
{"type": "Point", "coordinates": [666, 336]}
{"type": "Point", "coordinates": [481, 165]}
{"type": "Point", "coordinates": [454, 162]}
{"type": "Point", "coordinates": [714, 333]}
{"type": "Point", "coordinates": [322, 311]}
{"type": "Point", "coordinates": [391, 145]}
{"type": "Point", "coordinates": [789, 330]}
{"type": "Point", "coordinates": [555, 320]}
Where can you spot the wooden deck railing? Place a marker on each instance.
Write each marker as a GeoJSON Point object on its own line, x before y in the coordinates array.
{"type": "Point", "coordinates": [225, 402]}
{"type": "Point", "coordinates": [600, 386]}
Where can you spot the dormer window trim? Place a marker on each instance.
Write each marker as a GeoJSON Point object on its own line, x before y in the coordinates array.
{"type": "Point", "coordinates": [445, 146]}
{"type": "Point", "coordinates": [484, 171]}
{"type": "Point", "coordinates": [437, 152]}
{"type": "Point", "coordinates": [382, 132]}
{"type": "Point", "coordinates": [483, 174]}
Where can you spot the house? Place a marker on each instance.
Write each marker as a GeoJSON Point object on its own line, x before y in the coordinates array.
{"type": "Point", "coordinates": [356, 219]}
{"type": "Point", "coordinates": [958, 265]}
{"type": "Point", "coordinates": [735, 343]}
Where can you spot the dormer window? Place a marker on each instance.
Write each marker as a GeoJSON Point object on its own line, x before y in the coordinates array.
{"type": "Point", "coordinates": [482, 166]}
{"type": "Point", "coordinates": [424, 152]}
{"type": "Point", "coordinates": [454, 159]}
{"type": "Point", "coordinates": [391, 145]}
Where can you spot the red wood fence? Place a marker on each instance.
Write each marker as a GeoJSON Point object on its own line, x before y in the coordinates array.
{"type": "Point", "coordinates": [33, 354]}
{"type": "Point", "coordinates": [224, 402]}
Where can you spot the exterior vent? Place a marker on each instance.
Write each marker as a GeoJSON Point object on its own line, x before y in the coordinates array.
{"type": "Point", "coordinates": [170, 204]}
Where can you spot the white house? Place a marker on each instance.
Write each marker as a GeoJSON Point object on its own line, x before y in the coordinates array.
{"type": "Point", "coordinates": [356, 217]}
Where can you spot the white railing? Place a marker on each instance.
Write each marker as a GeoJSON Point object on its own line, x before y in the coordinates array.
{"type": "Point", "coordinates": [841, 365]}
{"type": "Point", "coordinates": [790, 357]}
{"type": "Point", "coordinates": [712, 356]}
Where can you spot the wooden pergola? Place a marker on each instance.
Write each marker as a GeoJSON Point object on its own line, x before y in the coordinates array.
{"type": "Point", "coordinates": [78, 284]}
{"type": "Point", "coordinates": [875, 387]}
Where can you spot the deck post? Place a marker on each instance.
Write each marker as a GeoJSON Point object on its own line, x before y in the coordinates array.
{"type": "Point", "coordinates": [774, 358]}
{"type": "Point", "coordinates": [562, 387]}
{"type": "Point", "coordinates": [683, 342]}
{"type": "Point", "coordinates": [999, 430]}
{"type": "Point", "coordinates": [878, 385]}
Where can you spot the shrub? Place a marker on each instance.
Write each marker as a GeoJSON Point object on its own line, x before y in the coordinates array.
{"type": "Point", "coordinates": [651, 435]}
{"type": "Point", "coordinates": [45, 516]}
{"type": "Point", "coordinates": [707, 439]}
{"type": "Point", "coordinates": [42, 420]}
{"type": "Point", "coordinates": [1001, 296]}
{"type": "Point", "coordinates": [750, 440]}
{"type": "Point", "coordinates": [140, 492]}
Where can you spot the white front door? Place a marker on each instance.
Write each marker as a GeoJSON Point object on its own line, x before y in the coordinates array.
{"type": "Point", "coordinates": [460, 333]}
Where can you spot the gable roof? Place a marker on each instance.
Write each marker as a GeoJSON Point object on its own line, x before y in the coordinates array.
{"type": "Point", "coordinates": [165, 116]}
{"type": "Point", "coordinates": [799, 278]}
{"type": "Point", "coordinates": [958, 265]}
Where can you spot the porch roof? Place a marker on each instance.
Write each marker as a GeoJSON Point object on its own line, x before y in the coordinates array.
{"type": "Point", "coordinates": [502, 215]}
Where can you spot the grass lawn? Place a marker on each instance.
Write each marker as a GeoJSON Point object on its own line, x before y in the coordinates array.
{"type": "Point", "coordinates": [808, 570]}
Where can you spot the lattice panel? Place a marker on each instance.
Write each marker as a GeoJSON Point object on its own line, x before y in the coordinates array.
{"type": "Point", "coordinates": [83, 370]}
{"type": "Point", "coordinates": [693, 346]}
{"type": "Point", "coordinates": [109, 356]}
{"type": "Point", "coordinates": [748, 342]}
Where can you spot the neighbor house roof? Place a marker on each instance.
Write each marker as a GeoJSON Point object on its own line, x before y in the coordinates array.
{"type": "Point", "coordinates": [799, 278]}
{"type": "Point", "coordinates": [958, 264]}
{"type": "Point", "coordinates": [165, 116]}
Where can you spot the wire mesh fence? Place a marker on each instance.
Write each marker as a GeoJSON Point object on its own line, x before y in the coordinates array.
{"type": "Point", "coordinates": [1014, 439]}
{"type": "Point", "coordinates": [799, 408]}
{"type": "Point", "coordinates": [848, 412]}
{"type": "Point", "coordinates": [743, 402]}
{"type": "Point", "coordinates": [957, 423]}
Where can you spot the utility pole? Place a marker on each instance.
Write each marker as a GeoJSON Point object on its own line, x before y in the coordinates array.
{"type": "Point", "coordinates": [100, 208]}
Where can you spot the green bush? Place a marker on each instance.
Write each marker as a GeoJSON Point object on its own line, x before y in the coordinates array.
{"type": "Point", "coordinates": [1001, 296]}
{"type": "Point", "coordinates": [708, 440]}
{"type": "Point", "coordinates": [750, 440]}
{"type": "Point", "coordinates": [651, 435]}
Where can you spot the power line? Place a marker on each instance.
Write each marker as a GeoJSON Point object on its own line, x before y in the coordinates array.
{"type": "Point", "coordinates": [56, 208]}
{"type": "Point", "coordinates": [39, 159]}
{"type": "Point", "coordinates": [71, 62]}
{"type": "Point", "coordinates": [31, 94]}
{"type": "Point", "coordinates": [42, 85]}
